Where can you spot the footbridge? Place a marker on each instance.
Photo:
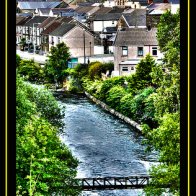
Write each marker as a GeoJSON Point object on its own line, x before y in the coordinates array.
{"type": "Point", "coordinates": [130, 182]}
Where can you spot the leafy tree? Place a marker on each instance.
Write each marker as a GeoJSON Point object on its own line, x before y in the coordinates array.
{"type": "Point", "coordinates": [44, 166]}
{"type": "Point", "coordinates": [31, 70]}
{"type": "Point", "coordinates": [142, 77]}
{"type": "Point", "coordinates": [57, 63]}
{"type": "Point", "coordinates": [166, 137]}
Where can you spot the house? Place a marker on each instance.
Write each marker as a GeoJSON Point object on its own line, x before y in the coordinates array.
{"type": "Point", "coordinates": [56, 12]}
{"type": "Point", "coordinates": [43, 11]}
{"type": "Point", "coordinates": [131, 45]}
{"type": "Point", "coordinates": [134, 18]}
{"type": "Point", "coordinates": [79, 40]}
{"type": "Point", "coordinates": [82, 13]}
{"type": "Point", "coordinates": [20, 21]}
{"type": "Point", "coordinates": [33, 6]}
{"type": "Point", "coordinates": [100, 21]}
{"type": "Point", "coordinates": [175, 5]}
{"type": "Point", "coordinates": [49, 28]}
{"type": "Point", "coordinates": [154, 12]}
{"type": "Point", "coordinates": [31, 31]}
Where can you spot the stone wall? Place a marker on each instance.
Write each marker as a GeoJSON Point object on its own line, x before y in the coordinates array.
{"type": "Point", "coordinates": [112, 111]}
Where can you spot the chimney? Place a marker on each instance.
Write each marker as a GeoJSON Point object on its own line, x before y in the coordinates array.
{"type": "Point", "coordinates": [150, 1]}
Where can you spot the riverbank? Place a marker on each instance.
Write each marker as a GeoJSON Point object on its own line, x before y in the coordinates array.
{"type": "Point", "coordinates": [114, 112]}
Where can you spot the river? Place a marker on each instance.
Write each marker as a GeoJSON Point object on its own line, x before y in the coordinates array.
{"type": "Point", "coordinates": [103, 144]}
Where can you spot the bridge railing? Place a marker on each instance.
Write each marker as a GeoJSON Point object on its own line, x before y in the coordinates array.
{"type": "Point", "coordinates": [113, 182]}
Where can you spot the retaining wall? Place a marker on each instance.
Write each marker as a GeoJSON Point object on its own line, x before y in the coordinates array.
{"type": "Point", "coordinates": [112, 111]}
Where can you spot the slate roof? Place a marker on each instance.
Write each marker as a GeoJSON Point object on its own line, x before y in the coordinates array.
{"type": "Point", "coordinates": [116, 10]}
{"type": "Point", "coordinates": [107, 17]}
{"type": "Point", "coordinates": [65, 19]}
{"type": "Point", "coordinates": [44, 10]}
{"type": "Point", "coordinates": [136, 36]}
{"type": "Point", "coordinates": [36, 19]}
{"type": "Point", "coordinates": [102, 10]}
{"type": "Point", "coordinates": [136, 17]}
{"type": "Point", "coordinates": [111, 29]}
{"type": "Point", "coordinates": [21, 20]}
{"type": "Point", "coordinates": [62, 29]}
{"type": "Point", "coordinates": [46, 22]}
{"type": "Point", "coordinates": [28, 5]}
{"type": "Point", "coordinates": [85, 9]}
{"type": "Point", "coordinates": [51, 27]}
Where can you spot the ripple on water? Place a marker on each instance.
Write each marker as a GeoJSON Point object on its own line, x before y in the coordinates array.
{"type": "Point", "coordinates": [104, 145]}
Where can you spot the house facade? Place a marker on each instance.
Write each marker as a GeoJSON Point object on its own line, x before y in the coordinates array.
{"type": "Point", "coordinates": [79, 40]}
{"type": "Point", "coordinates": [131, 45]}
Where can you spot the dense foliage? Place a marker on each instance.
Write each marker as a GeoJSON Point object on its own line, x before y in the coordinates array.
{"type": "Point", "coordinates": [30, 70]}
{"type": "Point", "coordinates": [57, 63]}
{"type": "Point", "coordinates": [166, 137]}
{"type": "Point", "coordinates": [44, 165]}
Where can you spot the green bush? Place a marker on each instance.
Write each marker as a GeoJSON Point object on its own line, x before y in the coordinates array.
{"type": "Point", "coordinates": [125, 105]}
{"type": "Point", "coordinates": [108, 84]}
{"type": "Point", "coordinates": [138, 104]}
{"type": "Point", "coordinates": [95, 70]}
{"type": "Point", "coordinates": [31, 70]}
{"type": "Point", "coordinates": [114, 96]}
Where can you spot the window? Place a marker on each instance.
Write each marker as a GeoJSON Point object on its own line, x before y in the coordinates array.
{"type": "Point", "coordinates": [52, 42]}
{"type": "Point", "coordinates": [132, 68]}
{"type": "Point", "coordinates": [125, 69]}
{"type": "Point", "coordinates": [58, 40]}
{"type": "Point", "coordinates": [124, 50]}
{"type": "Point", "coordinates": [140, 51]}
{"type": "Point", "coordinates": [154, 51]}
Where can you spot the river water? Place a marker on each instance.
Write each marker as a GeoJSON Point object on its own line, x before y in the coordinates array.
{"type": "Point", "coordinates": [103, 144]}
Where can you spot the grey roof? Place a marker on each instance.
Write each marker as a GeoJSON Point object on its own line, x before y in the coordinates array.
{"type": "Point", "coordinates": [46, 22]}
{"type": "Point", "coordinates": [116, 10]}
{"type": "Point", "coordinates": [62, 29]}
{"type": "Point", "coordinates": [136, 36]}
{"type": "Point", "coordinates": [111, 29]}
{"type": "Point", "coordinates": [107, 17]}
{"type": "Point", "coordinates": [44, 10]}
{"type": "Point", "coordinates": [136, 18]}
{"type": "Point", "coordinates": [28, 5]}
{"type": "Point", "coordinates": [36, 19]}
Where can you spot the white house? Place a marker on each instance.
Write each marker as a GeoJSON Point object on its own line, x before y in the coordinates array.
{"type": "Point", "coordinates": [131, 45]}
{"type": "Point", "coordinates": [101, 21]}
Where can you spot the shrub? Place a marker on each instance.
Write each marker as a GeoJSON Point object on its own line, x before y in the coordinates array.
{"type": "Point", "coordinates": [114, 96]}
{"type": "Point", "coordinates": [125, 104]}
{"type": "Point", "coordinates": [31, 70]}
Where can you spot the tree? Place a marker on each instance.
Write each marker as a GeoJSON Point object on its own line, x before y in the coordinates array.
{"type": "Point", "coordinates": [166, 137]}
{"type": "Point", "coordinates": [31, 70]}
{"type": "Point", "coordinates": [57, 63]}
{"type": "Point", "coordinates": [142, 77]}
{"type": "Point", "coordinates": [44, 165]}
